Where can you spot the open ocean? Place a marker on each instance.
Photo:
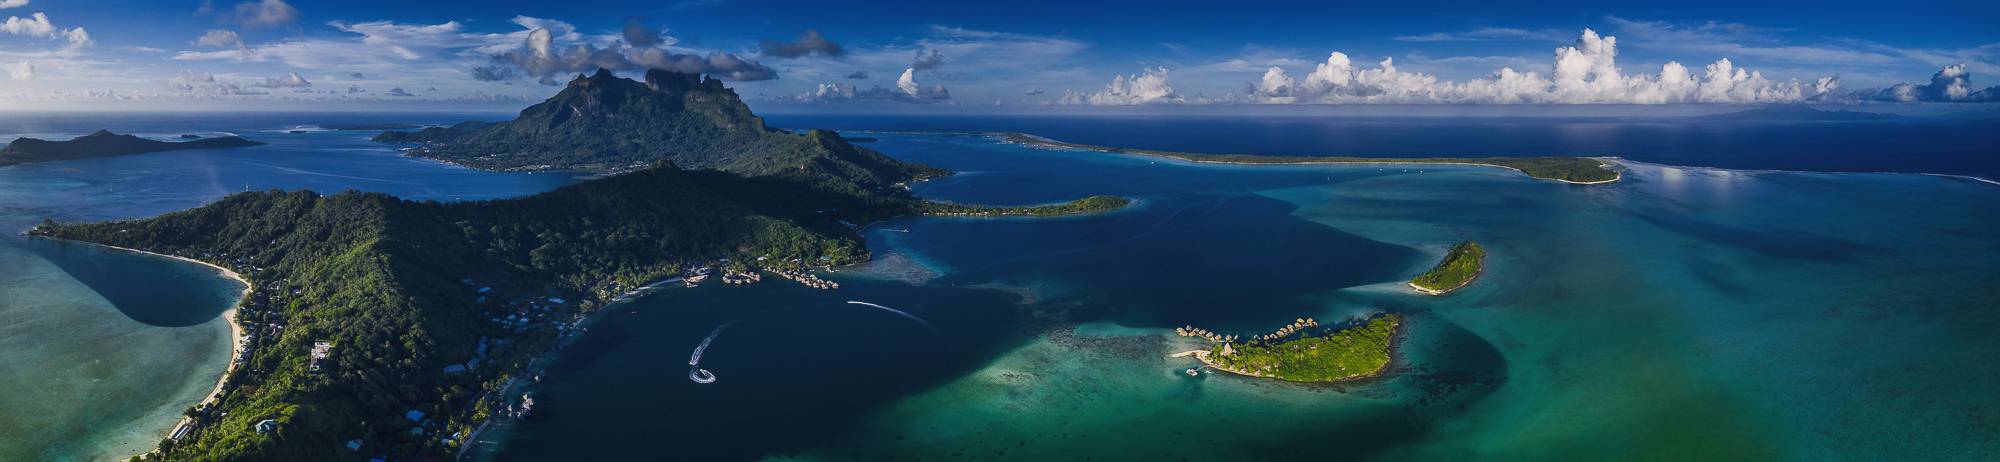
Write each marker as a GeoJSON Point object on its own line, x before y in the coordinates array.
{"type": "Point", "coordinates": [1682, 313]}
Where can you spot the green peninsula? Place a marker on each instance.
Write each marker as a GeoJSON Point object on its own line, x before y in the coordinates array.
{"type": "Point", "coordinates": [399, 326]}
{"type": "Point", "coordinates": [1356, 352]}
{"type": "Point", "coordinates": [1087, 205]}
{"type": "Point", "coordinates": [1576, 170]}
{"type": "Point", "coordinates": [104, 143]}
{"type": "Point", "coordinates": [1460, 267]}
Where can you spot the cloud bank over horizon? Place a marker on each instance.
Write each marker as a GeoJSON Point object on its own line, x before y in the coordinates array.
{"type": "Point", "coordinates": [1953, 84]}
{"type": "Point", "coordinates": [541, 58]}
{"type": "Point", "coordinates": [1585, 73]}
{"type": "Point", "coordinates": [241, 52]}
{"type": "Point", "coordinates": [1150, 86]}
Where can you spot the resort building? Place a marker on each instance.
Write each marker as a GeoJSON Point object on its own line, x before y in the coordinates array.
{"type": "Point", "coordinates": [320, 351]}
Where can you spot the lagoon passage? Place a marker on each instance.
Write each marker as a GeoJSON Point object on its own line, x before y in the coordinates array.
{"type": "Point", "coordinates": [699, 375]}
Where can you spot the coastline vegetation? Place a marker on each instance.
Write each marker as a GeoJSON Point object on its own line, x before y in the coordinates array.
{"type": "Point", "coordinates": [1356, 352]}
{"type": "Point", "coordinates": [606, 124]}
{"type": "Point", "coordinates": [382, 277]}
{"type": "Point", "coordinates": [1087, 205]}
{"type": "Point", "coordinates": [399, 325]}
{"type": "Point", "coordinates": [1460, 267]}
{"type": "Point", "coordinates": [1578, 170]}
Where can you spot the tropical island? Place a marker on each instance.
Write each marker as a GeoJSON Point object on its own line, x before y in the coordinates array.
{"type": "Point", "coordinates": [1087, 205]}
{"type": "Point", "coordinates": [1356, 352]}
{"type": "Point", "coordinates": [1794, 113]}
{"type": "Point", "coordinates": [397, 328]}
{"type": "Point", "coordinates": [1460, 267]}
{"type": "Point", "coordinates": [687, 119]}
{"type": "Point", "coordinates": [1574, 170]}
{"type": "Point", "coordinates": [104, 143]}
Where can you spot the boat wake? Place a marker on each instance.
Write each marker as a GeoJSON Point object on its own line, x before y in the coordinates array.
{"type": "Point", "coordinates": [927, 324]}
{"type": "Point", "coordinates": [699, 375]}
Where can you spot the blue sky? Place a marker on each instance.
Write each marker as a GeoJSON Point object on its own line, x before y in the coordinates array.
{"type": "Point", "coordinates": [295, 54]}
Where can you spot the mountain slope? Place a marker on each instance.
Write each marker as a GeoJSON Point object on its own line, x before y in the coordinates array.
{"type": "Point", "coordinates": [607, 124]}
{"type": "Point", "coordinates": [382, 279]}
{"type": "Point", "coordinates": [431, 308]}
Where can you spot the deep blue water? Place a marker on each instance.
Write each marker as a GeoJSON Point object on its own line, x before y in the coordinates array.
{"type": "Point", "coordinates": [1914, 145]}
{"type": "Point", "coordinates": [1679, 314]}
{"type": "Point", "coordinates": [1683, 313]}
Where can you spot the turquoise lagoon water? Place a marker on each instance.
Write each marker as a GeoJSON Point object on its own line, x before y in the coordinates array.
{"type": "Point", "coordinates": [1679, 314]}
{"type": "Point", "coordinates": [1682, 313]}
{"type": "Point", "coordinates": [100, 350]}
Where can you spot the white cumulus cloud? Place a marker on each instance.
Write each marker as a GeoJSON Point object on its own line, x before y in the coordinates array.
{"type": "Point", "coordinates": [289, 81]}
{"type": "Point", "coordinates": [908, 82]}
{"type": "Point", "coordinates": [37, 25]}
{"type": "Point", "coordinates": [266, 13]}
{"type": "Point", "coordinates": [207, 85]}
{"type": "Point", "coordinates": [551, 48]}
{"type": "Point", "coordinates": [1148, 87]}
{"type": "Point", "coordinates": [221, 38]}
{"type": "Point", "coordinates": [907, 90]}
{"type": "Point", "coordinates": [1585, 73]}
{"type": "Point", "coordinates": [78, 38]}
{"type": "Point", "coordinates": [1953, 84]}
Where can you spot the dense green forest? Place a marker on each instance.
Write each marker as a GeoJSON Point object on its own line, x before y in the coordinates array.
{"type": "Point", "coordinates": [1460, 266]}
{"type": "Point", "coordinates": [1092, 204]}
{"type": "Point", "coordinates": [1354, 352]}
{"type": "Point", "coordinates": [103, 143]}
{"type": "Point", "coordinates": [1571, 169]}
{"type": "Point", "coordinates": [413, 297]}
{"type": "Point", "coordinates": [386, 281]}
{"type": "Point", "coordinates": [604, 123]}
{"type": "Point", "coordinates": [383, 279]}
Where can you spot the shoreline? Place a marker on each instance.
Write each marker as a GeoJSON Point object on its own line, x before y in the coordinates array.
{"type": "Point", "coordinates": [1203, 357]}
{"type": "Point", "coordinates": [1438, 292]}
{"type": "Point", "coordinates": [236, 339]}
{"type": "Point", "coordinates": [1395, 339]}
{"type": "Point", "coordinates": [1038, 141]}
{"type": "Point", "coordinates": [550, 357]}
{"type": "Point", "coordinates": [1057, 144]}
{"type": "Point", "coordinates": [1462, 284]}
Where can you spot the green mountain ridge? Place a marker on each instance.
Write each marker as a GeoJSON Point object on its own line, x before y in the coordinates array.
{"type": "Point", "coordinates": [381, 278]}
{"type": "Point", "coordinates": [607, 124]}
{"type": "Point", "coordinates": [104, 143]}
{"type": "Point", "coordinates": [406, 291]}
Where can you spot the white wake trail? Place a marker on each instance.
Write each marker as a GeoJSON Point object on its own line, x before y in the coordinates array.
{"type": "Point", "coordinates": [699, 375]}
